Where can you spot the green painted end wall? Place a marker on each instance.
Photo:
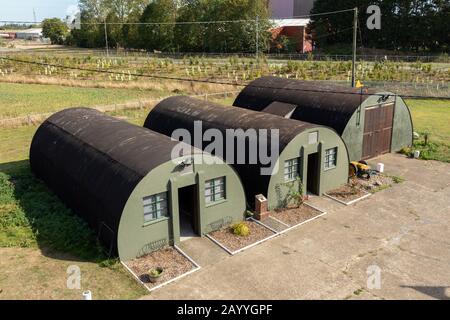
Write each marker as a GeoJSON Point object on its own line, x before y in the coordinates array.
{"type": "Point", "coordinates": [136, 239]}
{"type": "Point", "coordinates": [402, 135]}
{"type": "Point", "coordinates": [299, 147]}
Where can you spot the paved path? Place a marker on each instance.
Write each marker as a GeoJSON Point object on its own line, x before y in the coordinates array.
{"type": "Point", "coordinates": [405, 231]}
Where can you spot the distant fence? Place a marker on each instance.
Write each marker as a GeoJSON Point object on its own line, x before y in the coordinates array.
{"type": "Point", "coordinates": [435, 89]}
{"type": "Point", "coordinates": [443, 58]}
{"type": "Point", "coordinates": [35, 119]}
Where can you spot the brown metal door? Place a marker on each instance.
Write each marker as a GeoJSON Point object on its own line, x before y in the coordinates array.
{"type": "Point", "coordinates": [378, 130]}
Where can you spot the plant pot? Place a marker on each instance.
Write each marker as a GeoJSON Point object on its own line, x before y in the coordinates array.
{"type": "Point", "coordinates": [154, 278]}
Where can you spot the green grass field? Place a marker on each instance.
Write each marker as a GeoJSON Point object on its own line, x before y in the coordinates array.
{"type": "Point", "coordinates": [432, 116]}
{"type": "Point", "coordinates": [25, 99]}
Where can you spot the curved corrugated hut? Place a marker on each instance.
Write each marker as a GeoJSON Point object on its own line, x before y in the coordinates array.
{"type": "Point", "coordinates": [121, 179]}
{"type": "Point", "coordinates": [314, 153]}
{"type": "Point", "coordinates": [371, 123]}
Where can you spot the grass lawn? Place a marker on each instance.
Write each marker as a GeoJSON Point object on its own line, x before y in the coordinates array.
{"type": "Point", "coordinates": [40, 238]}
{"type": "Point", "coordinates": [28, 273]}
{"type": "Point", "coordinates": [431, 117]}
{"type": "Point", "coordinates": [24, 99]}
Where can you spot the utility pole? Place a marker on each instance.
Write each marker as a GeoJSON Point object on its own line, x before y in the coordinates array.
{"type": "Point", "coordinates": [106, 40]}
{"type": "Point", "coordinates": [257, 37]}
{"type": "Point", "coordinates": [355, 38]}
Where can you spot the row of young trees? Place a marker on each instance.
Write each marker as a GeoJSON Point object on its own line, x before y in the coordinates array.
{"type": "Point", "coordinates": [406, 25]}
{"type": "Point", "coordinates": [160, 25]}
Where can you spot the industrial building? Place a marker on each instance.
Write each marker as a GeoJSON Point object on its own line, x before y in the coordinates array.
{"type": "Point", "coordinates": [370, 122]}
{"type": "Point", "coordinates": [311, 154]}
{"type": "Point", "coordinates": [282, 9]}
{"type": "Point", "coordinates": [122, 180]}
{"type": "Point", "coordinates": [29, 34]}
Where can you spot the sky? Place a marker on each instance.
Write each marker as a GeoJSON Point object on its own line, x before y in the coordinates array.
{"type": "Point", "coordinates": [22, 10]}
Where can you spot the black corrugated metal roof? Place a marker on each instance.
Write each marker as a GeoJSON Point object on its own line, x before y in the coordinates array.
{"type": "Point", "coordinates": [324, 104]}
{"type": "Point", "coordinates": [93, 162]}
{"type": "Point", "coordinates": [181, 112]}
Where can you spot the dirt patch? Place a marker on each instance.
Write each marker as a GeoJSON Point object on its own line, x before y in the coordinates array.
{"type": "Point", "coordinates": [232, 242]}
{"type": "Point", "coordinates": [294, 216]}
{"type": "Point", "coordinates": [174, 264]}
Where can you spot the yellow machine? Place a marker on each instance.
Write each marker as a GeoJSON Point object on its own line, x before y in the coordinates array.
{"type": "Point", "coordinates": [360, 169]}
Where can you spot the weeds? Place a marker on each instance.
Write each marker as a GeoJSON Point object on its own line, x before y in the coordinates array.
{"type": "Point", "coordinates": [31, 215]}
{"type": "Point", "coordinates": [429, 150]}
{"type": "Point", "coordinates": [397, 179]}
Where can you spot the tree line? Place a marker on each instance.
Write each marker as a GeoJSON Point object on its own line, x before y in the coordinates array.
{"type": "Point", "coordinates": [406, 25]}
{"type": "Point", "coordinates": [160, 25]}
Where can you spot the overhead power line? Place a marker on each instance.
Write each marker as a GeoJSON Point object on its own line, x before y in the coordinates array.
{"type": "Point", "coordinates": [318, 14]}
{"type": "Point", "coordinates": [359, 92]}
{"type": "Point", "coordinates": [141, 23]}
{"type": "Point", "coordinates": [186, 22]}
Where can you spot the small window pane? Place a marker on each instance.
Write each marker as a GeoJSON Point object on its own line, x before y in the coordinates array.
{"type": "Point", "coordinates": [215, 190]}
{"type": "Point", "coordinates": [291, 169]}
{"type": "Point", "coordinates": [147, 201]}
{"type": "Point", "coordinates": [330, 158]}
{"type": "Point", "coordinates": [155, 207]}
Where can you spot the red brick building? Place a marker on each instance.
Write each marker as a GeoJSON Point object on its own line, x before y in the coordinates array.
{"type": "Point", "coordinates": [294, 30]}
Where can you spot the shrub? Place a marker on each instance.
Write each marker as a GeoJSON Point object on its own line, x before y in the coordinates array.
{"type": "Point", "coordinates": [397, 179]}
{"type": "Point", "coordinates": [407, 151]}
{"type": "Point", "coordinates": [241, 229]}
{"type": "Point", "coordinates": [155, 272]}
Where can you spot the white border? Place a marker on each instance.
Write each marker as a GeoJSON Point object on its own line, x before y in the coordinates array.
{"type": "Point", "coordinates": [304, 222]}
{"type": "Point", "coordinates": [350, 202]}
{"type": "Point", "coordinates": [196, 265]}
{"type": "Point", "coordinates": [262, 224]}
{"type": "Point", "coordinates": [275, 234]}
{"type": "Point", "coordinates": [280, 222]}
{"type": "Point", "coordinates": [301, 223]}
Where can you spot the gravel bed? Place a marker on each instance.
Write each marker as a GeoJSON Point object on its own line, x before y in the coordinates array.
{"type": "Point", "coordinates": [347, 193]}
{"type": "Point", "coordinates": [168, 258]}
{"type": "Point", "coordinates": [375, 182]}
{"type": "Point", "coordinates": [358, 187]}
{"type": "Point", "coordinates": [294, 216]}
{"type": "Point", "coordinates": [232, 242]}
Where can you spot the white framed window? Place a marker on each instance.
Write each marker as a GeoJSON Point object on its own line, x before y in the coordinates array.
{"type": "Point", "coordinates": [291, 169]}
{"type": "Point", "coordinates": [313, 137]}
{"type": "Point", "coordinates": [330, 158]}
{"type": "Point", "coordinates": [215, 190]}
{"type": "Point", "coordinates": [155, 207]}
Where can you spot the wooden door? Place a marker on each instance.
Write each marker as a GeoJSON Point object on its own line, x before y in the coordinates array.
{"type": "Point", "coordinates": [378, 126]}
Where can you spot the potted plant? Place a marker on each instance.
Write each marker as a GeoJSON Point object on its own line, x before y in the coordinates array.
{"type": "Point", "coordinates": [154, 274]}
